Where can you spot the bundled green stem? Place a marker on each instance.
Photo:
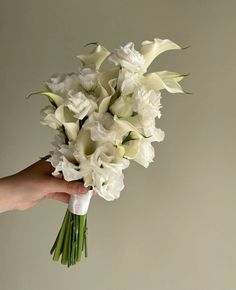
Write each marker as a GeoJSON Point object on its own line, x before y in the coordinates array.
{"type": "Point", "coordinates": [71, 240]}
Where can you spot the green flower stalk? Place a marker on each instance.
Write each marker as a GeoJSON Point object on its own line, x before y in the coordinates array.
{"type": "Point", "coordinates": [71, 240]}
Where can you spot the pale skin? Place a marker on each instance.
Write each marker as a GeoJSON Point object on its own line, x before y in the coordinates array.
{"type": "Point", "coordinates": [35, 183]}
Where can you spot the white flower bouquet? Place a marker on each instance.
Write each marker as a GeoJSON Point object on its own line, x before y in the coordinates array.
{"type": "Point", "coordinates": [104, 119]}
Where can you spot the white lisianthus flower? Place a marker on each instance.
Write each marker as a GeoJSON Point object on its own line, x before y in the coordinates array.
{"type": "Point", "coordinates": [100, 126]}
{"type": "Point", "coordinates": [48, 118]}
{"type": "Point", "coordinates": [107, 166]}
{"type": "Point", "coordinates": [123, 126]}
{"type": "Point", "coordinates": [129, 58]}
{"type": "Point", "coordinates": [63, 160]}
{"type": "Point", "coordinates": [145, 153]}
{"type": "Point", "coordinates": [68, 169]}
{"type": "Point", "coordinates": [141, 149]}
{"type": "Point", "coordinates": [128, 81]}
{"type": "Point", "coordinates": [147, 103]}
{"type": "Point", "coordinates": [109, 185]}
{"type": "Point", "coordinates": [80, 104]}
{"type": "Point", "coordinates": [123, 106]}
{"type": "Point", "coordinates": [59, 139]}
{"type": "Point", "coordinates": [61, 83]}
{"type": "Point", "coordinates": [88, 78]}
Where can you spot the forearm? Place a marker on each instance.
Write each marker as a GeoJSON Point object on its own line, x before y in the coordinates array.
{"type": "Point", "coordinates": [7, 197]}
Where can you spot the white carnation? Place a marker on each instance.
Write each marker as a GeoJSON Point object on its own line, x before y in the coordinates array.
{"type": "Point", "coordinates": [80, 104]}
{"type": "Point", "coordinates": [147, 103]}
{"type": "Point", "coordinates": [47, 117]}
{"type": "Point", "coordinates": [127, 81]}
{"type": "Point", "coordinates": [62, 83]}
{"type": "Point", "coordinates": [88, 78]}
{"type": "Point", "coordinates": [129, 58]}
{"type": "Point", "coordinates": [100, 126]}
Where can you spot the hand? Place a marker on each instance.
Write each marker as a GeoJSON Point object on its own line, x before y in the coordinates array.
{"type": "Point", "coordinates": [33, 184]}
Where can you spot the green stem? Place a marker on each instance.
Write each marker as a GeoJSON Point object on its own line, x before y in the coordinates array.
{"type": "Point", "coordinates": [76, 236]}
{"type": "Point", "coordinates": [69, 249]}
{"type": "Point", "coordinates": [82, 219]}
{"type": "Point", "coordinates": [55, 243]}
{"type": "Point", "coordinates": [59, 243]}
{"type": "Point", "coordinates": [85, 239]}
{"type": "Point", "coordinates": [64, 258]}
{"type": "Point", "coordinates": [72, 243]}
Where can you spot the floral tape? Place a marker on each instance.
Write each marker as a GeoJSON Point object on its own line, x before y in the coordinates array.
{"type": "Point", "coordinates": [79, 203]}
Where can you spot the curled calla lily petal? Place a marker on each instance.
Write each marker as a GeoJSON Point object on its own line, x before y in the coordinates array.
{"type": "Point", "coordinates": [151, 49]}
{"type": "Point", "coordinates": [123, 106]}
{"type": "Point", "coordinates": [95, 58]}
{"type": "Point", "coordinates": [85, 146]}
{"type": "Point", "coordinates": [71, 125]}
{"type": "Point", "coordinates": [54, 99]}
{"type": "Point", "coordinates": [106, 80]}
{"type": "Point", "coordinates": [107, 83]}
{"type": "Point", "coordinates": [164, 80]}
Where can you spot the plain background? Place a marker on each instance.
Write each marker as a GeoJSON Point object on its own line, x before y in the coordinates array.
{"type": "Point", "coordinates": [174, 226]}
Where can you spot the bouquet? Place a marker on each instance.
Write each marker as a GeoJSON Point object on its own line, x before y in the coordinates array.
{"type": "Point", "coordinates": [104, 118]}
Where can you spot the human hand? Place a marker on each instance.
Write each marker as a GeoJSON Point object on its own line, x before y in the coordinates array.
{"type": "Point", "coordinates": [26, 188]}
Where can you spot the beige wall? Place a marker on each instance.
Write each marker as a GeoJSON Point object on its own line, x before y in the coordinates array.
{"type": "Point", "coordinates": [174, 227]}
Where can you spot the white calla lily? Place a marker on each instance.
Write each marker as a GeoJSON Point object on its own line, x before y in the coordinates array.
{"type": "Point", "coordinates": [54, 99]}
{"type": "Point", "coordinates": [71, 125]}
{"type": "Point", "coordinates": [107, 80]}
{"type": "Point", "coordinates": [151, 49]}
{"type": "Point", "coordinates": [95, 58]}
{"type": "Point", "coordinates": [164, 80]}
{"type": "Point", "coordinates": [123, 106]}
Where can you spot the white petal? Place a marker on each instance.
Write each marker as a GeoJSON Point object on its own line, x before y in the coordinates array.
{"type": "Point", "coordinates": [71, 125]}
{"type": "Point", "coordinates": [145, 154]}
{"type": "Point", "coordinates": [151, 49]}
{"type": "Point", "coordinates": [48, 118]}
{"type": "Point", "coordinates": [95, 58]}
{"type": "Point", "coordinates": [123, 106]}
{"type": "Point", "coordinates": [164, 80]}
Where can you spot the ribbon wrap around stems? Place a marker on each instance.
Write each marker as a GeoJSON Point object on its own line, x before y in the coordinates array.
{"type": "Point", "coordinates": [79, 203]}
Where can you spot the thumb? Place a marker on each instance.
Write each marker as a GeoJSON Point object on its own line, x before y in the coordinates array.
{"type": "Point", "coordinates": [71, 187]}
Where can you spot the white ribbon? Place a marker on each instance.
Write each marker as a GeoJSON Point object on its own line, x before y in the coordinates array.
{"type": "Point", "coordinates": [79, 203]}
